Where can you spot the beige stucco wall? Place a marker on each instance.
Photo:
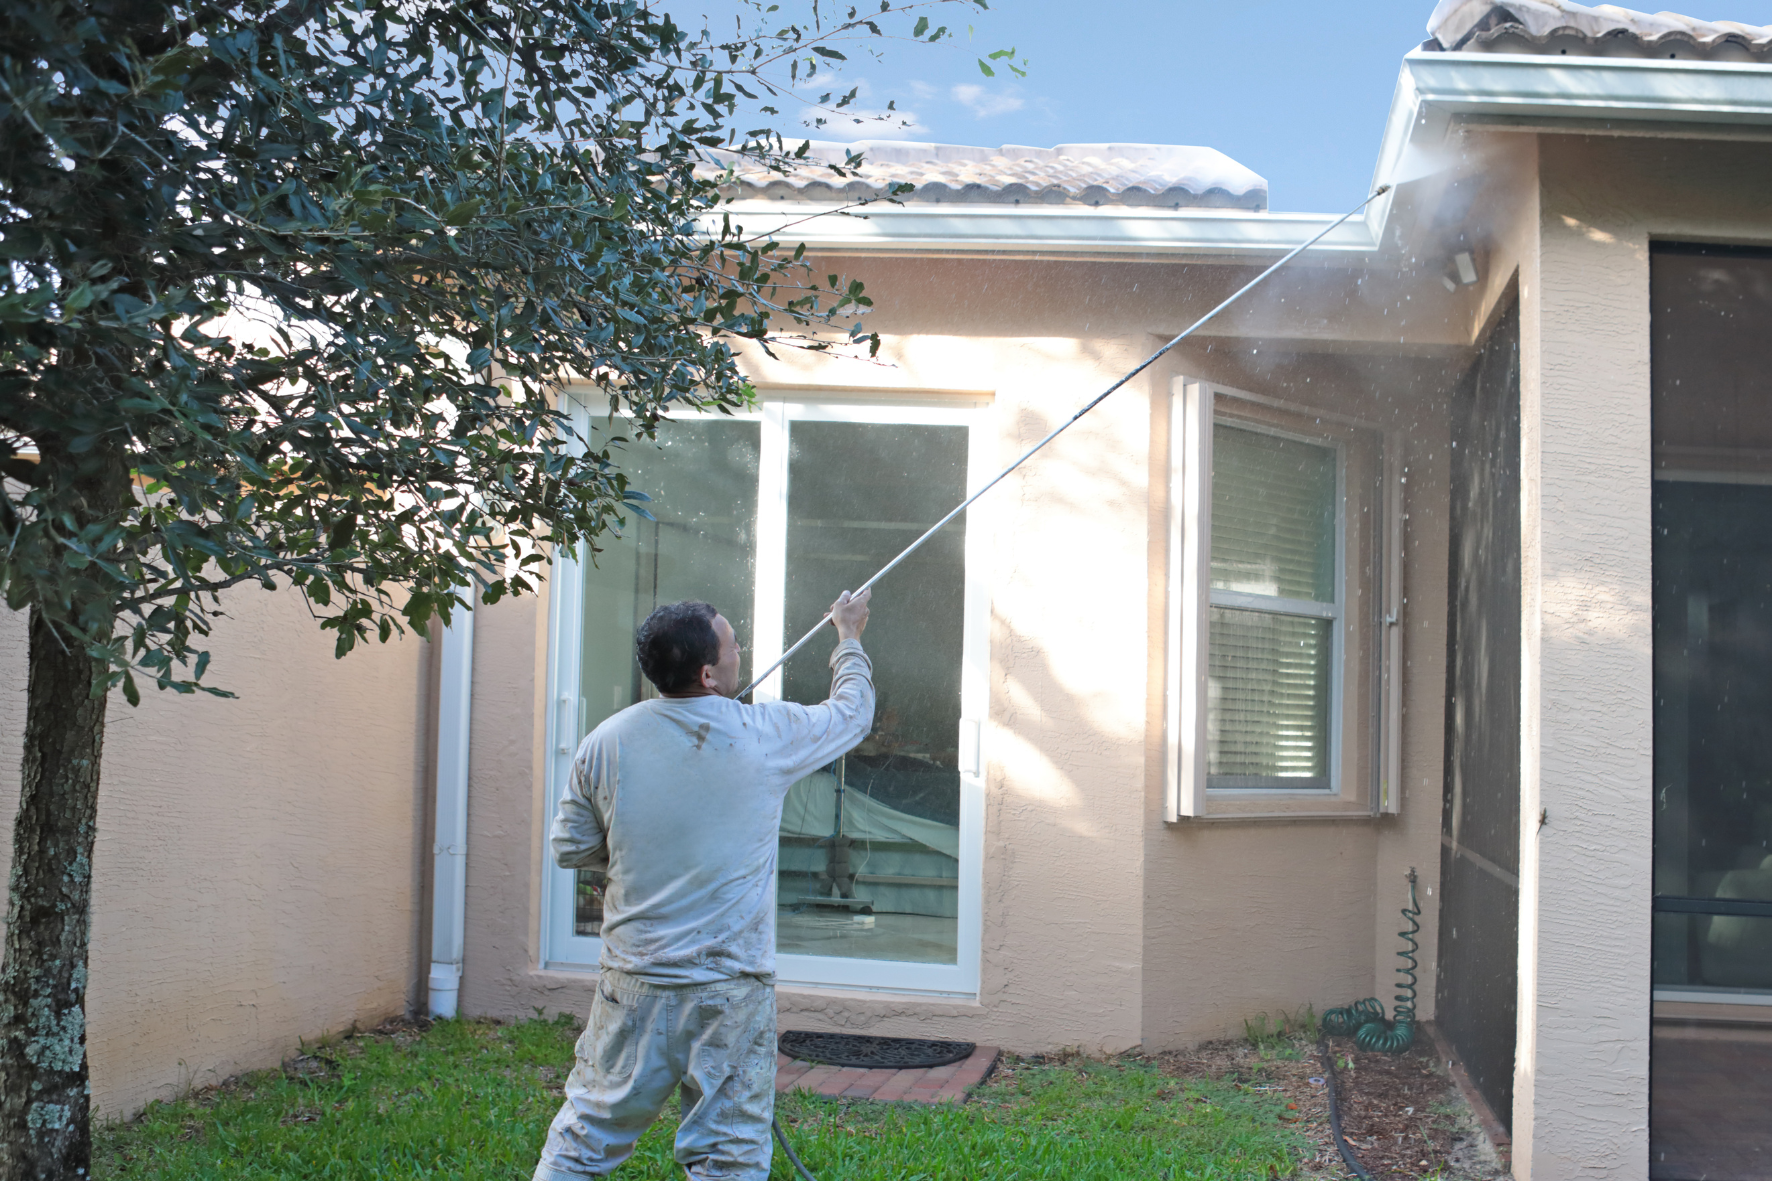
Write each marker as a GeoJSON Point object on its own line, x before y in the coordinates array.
{"type": "Point", "coordinates": [1581, 1104]}
{"type": "Point", "coordinates": [1268, 915]}
{"type": "Point", "coordinates": [1102, 927]}
{"type": "Point", "coordinates": [257, 871]}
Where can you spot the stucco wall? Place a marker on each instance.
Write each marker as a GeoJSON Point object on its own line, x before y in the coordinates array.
{"type": "Point", "coordinates": [256, 878]}
{"type": "Point", "coordinates": [1102, 927]}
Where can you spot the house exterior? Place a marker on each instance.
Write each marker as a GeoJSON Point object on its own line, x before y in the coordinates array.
{"type": "Point", "coordinates": [1442, 551]}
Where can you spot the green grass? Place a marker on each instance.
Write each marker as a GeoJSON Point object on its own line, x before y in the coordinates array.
{"type": "Point", "coordinates": [472, 1100]}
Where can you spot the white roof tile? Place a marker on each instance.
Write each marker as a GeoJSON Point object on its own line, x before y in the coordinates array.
{"type": "Point", "coordinates": [1557, 26]}
{"type": "Point", "coordinates": [1163, 175]}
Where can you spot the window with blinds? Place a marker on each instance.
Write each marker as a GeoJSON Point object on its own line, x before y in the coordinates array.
{"type": "Point", "coordinates": [1275, 603]}
{"type": "Point", "coordinates": [1282, 693]}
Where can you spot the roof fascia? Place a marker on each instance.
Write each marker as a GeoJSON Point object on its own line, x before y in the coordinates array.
{"type": "Point", "coordinates": [1440, 92]}
{"type": "Point", "coordinates": [1474, 88]}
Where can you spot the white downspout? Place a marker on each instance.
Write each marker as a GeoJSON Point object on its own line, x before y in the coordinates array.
{"type": "Point", "coordinates": [449, 882]}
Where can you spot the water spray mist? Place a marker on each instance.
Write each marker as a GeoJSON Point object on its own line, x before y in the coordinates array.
{"type": "Point", "coordinates": [912, 548]}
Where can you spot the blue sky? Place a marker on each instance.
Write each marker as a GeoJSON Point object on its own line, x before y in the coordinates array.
{"type": "Point", "coordinates": [1295, 89]}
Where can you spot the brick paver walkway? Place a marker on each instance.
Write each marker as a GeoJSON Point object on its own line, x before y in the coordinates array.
{"type": "Point", "coordinates": [933, 1084]}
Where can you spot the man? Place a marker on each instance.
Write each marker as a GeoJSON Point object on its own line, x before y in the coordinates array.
{"type": "Point", "coordinates": [679, 799]}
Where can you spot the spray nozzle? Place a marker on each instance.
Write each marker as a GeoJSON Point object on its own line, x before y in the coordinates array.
{"type": "Point", "coordinates": [1381, 190]}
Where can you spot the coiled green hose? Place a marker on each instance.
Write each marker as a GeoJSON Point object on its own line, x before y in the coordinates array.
{"type": "Point", "coordinates": [1364, 1020]}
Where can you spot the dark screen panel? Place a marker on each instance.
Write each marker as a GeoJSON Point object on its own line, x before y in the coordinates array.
{"type": "Point", "coordinates": [1480, 824]}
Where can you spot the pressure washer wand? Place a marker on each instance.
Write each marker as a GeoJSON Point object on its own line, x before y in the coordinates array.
{"type": "Point", "coordinates": [912, 548]}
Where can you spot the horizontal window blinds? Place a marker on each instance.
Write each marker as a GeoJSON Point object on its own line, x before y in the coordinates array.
{"type": "Point", "coordinates": [1268, 672]}
{"type": "Point", "coordinates": [1273, 515]}
{"type": "Point", "coordinates": [1267, 713]}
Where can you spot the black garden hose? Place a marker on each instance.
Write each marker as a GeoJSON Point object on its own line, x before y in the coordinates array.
{"type": "Point", "coordinates": [794, 1157]}
{"type": "Point", "coordinates": [1341, 1144]}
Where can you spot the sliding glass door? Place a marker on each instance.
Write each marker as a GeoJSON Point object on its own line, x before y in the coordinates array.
{"type": "Point", "coordinates": [1711, 1048]}
{"type": "Point", "coordinates": [769, 517]}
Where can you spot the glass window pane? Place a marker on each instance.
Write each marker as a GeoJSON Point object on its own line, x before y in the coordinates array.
{"type": "Point", "coordinates": [587, 901]}
{"type": "Point", "coordinates": [1273, 515]}
{"type": "Point", "coordinates": [702, 477]}
{"type": "Point", "coordinates": [870, 845]}
{"type": "Point", "coordinates": [1267, 708]}
{"type": "Point", "coordinates": [1713, 647]}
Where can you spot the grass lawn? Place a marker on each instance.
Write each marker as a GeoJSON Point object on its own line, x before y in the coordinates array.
{"type": "Point", "coordinates": [472, 1100]}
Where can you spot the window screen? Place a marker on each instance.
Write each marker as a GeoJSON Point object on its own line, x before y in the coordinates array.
{"type": "Point", "coordinates": [1271, 638]}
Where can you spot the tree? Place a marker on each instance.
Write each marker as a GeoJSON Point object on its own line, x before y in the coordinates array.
{"type": "Point", "coordinates": [288, 288]}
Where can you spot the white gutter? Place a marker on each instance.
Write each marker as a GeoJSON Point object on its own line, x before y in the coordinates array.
{"type": "Point", "coordinates": [1042, 230]}
{"type": "Point", "coordinates": [449, 880]}
{"type": "Point", "coordinates": [1621, 91]}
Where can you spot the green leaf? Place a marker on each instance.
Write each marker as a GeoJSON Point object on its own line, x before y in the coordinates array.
{"type": "Point", "coordinates": [986, 70]}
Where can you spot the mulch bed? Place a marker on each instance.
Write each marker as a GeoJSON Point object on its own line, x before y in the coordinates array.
{"type": "Point", "coordinates": [1402, 1114]}
{"type": "Point", "coordinates": [1399, 1112]}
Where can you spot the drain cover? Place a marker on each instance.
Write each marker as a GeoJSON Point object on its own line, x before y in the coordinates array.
{"type": "Point", "coordinates": [858, 1049]}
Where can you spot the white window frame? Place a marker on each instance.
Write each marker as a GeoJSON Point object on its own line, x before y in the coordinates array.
{"type": "Point", "coordinates": [1194, 409]}
{"type": "Point", "coordinates": [563, 949]}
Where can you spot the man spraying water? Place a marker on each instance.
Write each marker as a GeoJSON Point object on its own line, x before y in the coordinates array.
{"type": "Point", "coordinates": [679, 800]}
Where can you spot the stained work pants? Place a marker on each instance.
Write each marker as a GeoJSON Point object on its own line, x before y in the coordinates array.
{"type": "Point", "coordinates": [714, 1041]}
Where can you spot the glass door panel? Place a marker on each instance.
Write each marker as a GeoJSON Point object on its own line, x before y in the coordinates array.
{"type": "Point", "coordinates": [870, 846]}
{"type": "Point", "coordinates": [1714, 699]}
{"type": "Point", "coordinates": [700, 544]}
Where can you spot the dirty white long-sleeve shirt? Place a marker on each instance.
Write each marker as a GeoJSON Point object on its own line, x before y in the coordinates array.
{"type": "Point", "coordinates": [680, 800]}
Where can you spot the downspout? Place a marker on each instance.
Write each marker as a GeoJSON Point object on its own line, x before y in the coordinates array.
{"type": "Point", "coordinates": [450, 842]}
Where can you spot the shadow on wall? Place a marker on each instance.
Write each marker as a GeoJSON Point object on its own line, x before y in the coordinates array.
{"type": "Point", "coordinates": [256, 870]}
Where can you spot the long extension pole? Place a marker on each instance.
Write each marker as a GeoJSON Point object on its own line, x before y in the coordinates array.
{"type": "Point", "coordinates": [912, 548]}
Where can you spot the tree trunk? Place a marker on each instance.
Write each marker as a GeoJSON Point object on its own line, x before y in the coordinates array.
{"type": "Point", "coordinates": [44, 1093]}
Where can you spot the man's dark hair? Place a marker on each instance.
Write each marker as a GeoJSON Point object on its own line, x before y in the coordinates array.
{"type": "Point", "coordinates": [675, 642]}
